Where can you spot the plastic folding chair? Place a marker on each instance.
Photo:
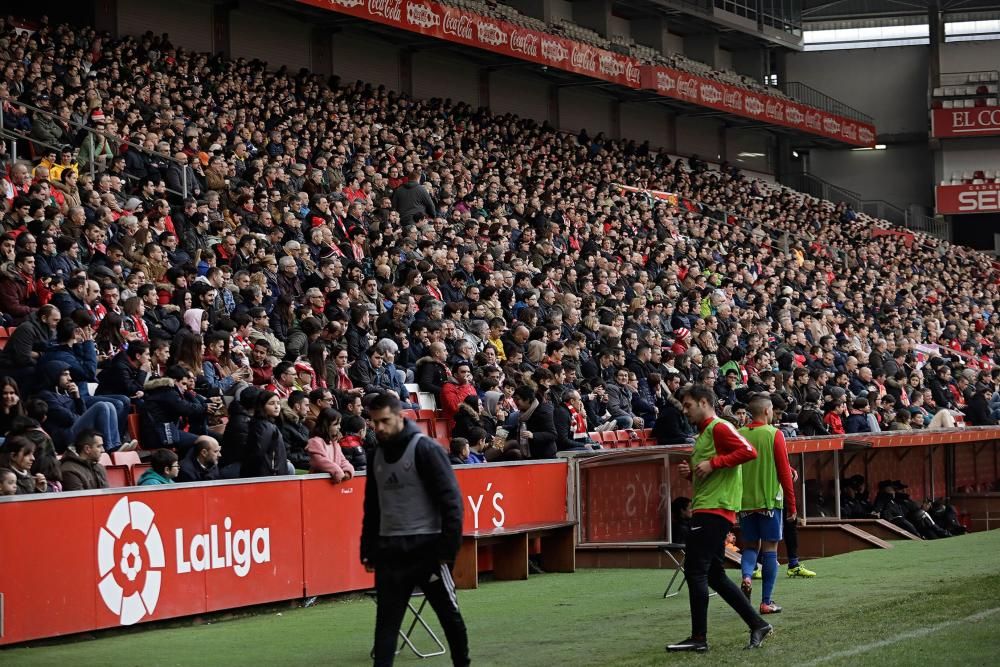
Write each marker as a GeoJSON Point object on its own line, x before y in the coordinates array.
{"type": "Point", "coordinates": [407, 636]}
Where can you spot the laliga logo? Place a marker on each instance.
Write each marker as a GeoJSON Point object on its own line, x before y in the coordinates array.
{"type": "Point", "coordinates": [421, 15]}
{"type": "Point", "coordinates": [128, 562]}
{"type": "Point", "coordinates": [554, 50]}
{"type": "Point", "coordinates": [490, 34]}
{"type": "Point", "coordinates": [130, 557]}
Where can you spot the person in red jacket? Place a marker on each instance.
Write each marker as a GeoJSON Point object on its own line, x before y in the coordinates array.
{"type": "Point", "coordinates": [456, 389]}
{"type": "Point", "coordinates": [834, 417]}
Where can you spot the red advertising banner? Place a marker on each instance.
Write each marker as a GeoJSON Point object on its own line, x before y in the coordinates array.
{"type": "Point", "coordinates": [979, 122]}
{"type": "Point", "coordinates": [742, 102]}
{"type": "Point", "coordinates": [959, 199]}
{"type": "Point", "coordinates": [142, 554]}
{"type": "Point", "coordinates": [462, 27]}
{"type": "Point", "coordinates": [906, 236]}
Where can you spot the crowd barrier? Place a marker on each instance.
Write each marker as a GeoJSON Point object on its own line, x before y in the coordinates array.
{"type": "Point", "coordinates": [83, 561]}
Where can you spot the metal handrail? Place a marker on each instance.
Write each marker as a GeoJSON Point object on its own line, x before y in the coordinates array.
{"type": "Point", "coordinates": [814, 98]}
{"type": "Point", "coordinates": [110, 137]}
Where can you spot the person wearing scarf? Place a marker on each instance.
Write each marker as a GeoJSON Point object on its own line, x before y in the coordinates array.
{"type": "Point", "coordinates": [536, 432]}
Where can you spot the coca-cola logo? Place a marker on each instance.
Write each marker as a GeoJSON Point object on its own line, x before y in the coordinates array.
{"type": "Point", "coordinates": [632, 72]}
{"type": "Point", "coordinates": [457, 23]}
{"type": "Point", "coordinates": [710, 93]}
{"type": "Point", "coordinates": [347, 3]}
{"type": "Point", "coordinates": [583, 57]}
{"type": "Point", "coordinates": [831, 125]}
{"type": "Point", "coordinates": [774, 109]}
{"type": "Point", "coordinates": [610, 65]}
{"type": "Point", "coordinates": [865, 135]}
{"type": "Point", "coordinates": [420, 14]}
{"type": "Point", "coordinates": [490, 33]}
{"type": "Point", "coordinates": [753, 105]}
{"type": "Point", "coordinates": [554, 50]}
{"type": "Point", "coordinates": [390, 9]}
{"type": "Point", "coordinates": [850, 131]}
{"type": "Point", "coordinates": [794, 115]}
{"type": "Point", "coordinates": [733, 99]}
{"type": "Point", "coordinates": [665, 82]}
{"type": "Point", "coordinates": [524, 42]}
{"type": "Point", "coordinates": [814, 120]}
{"type": "Point", "coordinates": [687, 88]}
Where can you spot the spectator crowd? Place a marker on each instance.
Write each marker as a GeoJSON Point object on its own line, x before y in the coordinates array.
{"type": "Point", "coordinates": [242, 256]}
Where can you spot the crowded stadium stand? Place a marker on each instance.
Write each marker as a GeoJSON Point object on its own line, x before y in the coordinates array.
{"type": "Point", "coordinates": [189, 233]}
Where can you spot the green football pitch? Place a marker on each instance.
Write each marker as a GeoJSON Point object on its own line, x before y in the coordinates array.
{"type": "Point", "coordinates": [921, 603]}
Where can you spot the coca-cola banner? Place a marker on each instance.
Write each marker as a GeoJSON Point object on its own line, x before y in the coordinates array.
{"type": "Point", "coordinates": [968, 198]}
{"type": "Point", "coordinates": [457, 25]}
{"type": "Point", "coordinates": [748, 104]}
{"type": "Point", "coordinates": [982, 122]}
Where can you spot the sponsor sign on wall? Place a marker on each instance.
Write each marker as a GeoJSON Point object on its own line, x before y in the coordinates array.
{"type": "Point", "coordinates": [982, 122]}
{"type": "Point", "coordinates": [959, 199]}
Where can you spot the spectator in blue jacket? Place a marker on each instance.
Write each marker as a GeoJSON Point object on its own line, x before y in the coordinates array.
{"type": "Point", "coordinates": [857, 420]}
{"type": "Point", "coordinates": [68, 416]}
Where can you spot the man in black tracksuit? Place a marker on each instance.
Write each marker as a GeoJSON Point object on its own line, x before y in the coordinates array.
{"type": "Point", "coordinates": [412, 528]}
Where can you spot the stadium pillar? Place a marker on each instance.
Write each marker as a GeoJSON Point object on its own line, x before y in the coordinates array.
{"type": "Point", "coordinates": [406, 71]}
{"type": "Point", "coordinates": [651, 31]}
{"type": "Point", "coordinates": [484, 87]}
{"type": "Point", "coordinates": [321, 51]}
{"type": "Point", "coordinates": [554, 106]}
{"type": "Point", "coordinates": [220, 29]}
{"type": "Point", "coordinates": [703, 48]}
{"type": "Point", "coordinates": [594, 14]}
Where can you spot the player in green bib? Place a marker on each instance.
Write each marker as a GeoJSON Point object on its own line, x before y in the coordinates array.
{"type": "Point", "coordinates": [767, 488]}
{"type": "Point", "coordinates": [717, 494]}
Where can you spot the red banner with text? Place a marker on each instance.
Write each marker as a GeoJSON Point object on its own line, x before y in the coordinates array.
{"type": "Point", "coordinates": [979, 122]}
{"type": "Point", "coordinates": [463, 27]}
{"type": "Point", "coordinates": [144, 554]}
{"type": "Point", "coordinates": [968, 198]}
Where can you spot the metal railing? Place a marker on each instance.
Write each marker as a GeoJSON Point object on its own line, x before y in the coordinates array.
{"type": "Point", "coordinates": [814, 98]}
{"type": "Point", "coordinates": [16, 135]}
{"type": "Point", "coordinates": [913, 218]}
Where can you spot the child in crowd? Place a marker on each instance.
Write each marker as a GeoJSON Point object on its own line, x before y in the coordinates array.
{"type": "Point", "coordinates": [8, 482]}
{"type": "Point", "coordinates": [353, 429]}
{"type": "Point", "coordinates": [478, 443]}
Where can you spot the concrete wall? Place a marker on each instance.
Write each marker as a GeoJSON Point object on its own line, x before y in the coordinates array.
{"type": "Point", "coordinates": [699, 136]}
{"type": "Point", "coordinates": [579, 109]}
{"type": "Point", "coordinates": [646, 120]}
{"type": "Point", "coordinates": [259, 32]}
{"type": "Point", "coordinates": [369, 59]}
{"type": "Point", "coordinates": [515, 92]}
{"type": "Point", "coordinates": [189, 24]}
{"type": "Point", "coordinates": [970, 56]}
{"type": "Point", "coordinates": [888, 84]}
{"type": "Point", "coordinates": [435, 75]}
{"type": "Point", "coordinates": [901, 175]}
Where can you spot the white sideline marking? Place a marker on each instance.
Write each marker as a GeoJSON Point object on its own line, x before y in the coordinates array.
{"type": "Point", "coordinates": [912, 634]}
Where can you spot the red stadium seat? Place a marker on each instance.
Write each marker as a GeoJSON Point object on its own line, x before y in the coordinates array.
{"type": "Point", "coordinates": [125, 458]}
{"type": "Point", "coordinates": [118, 476]}
{"type": "Point", "coordinates": [137, 471]}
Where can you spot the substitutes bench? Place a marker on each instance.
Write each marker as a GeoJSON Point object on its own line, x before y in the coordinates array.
{"type": "Point", "coordinates": [510, 547]}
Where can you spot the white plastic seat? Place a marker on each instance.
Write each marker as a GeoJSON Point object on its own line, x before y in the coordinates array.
{"type": "Point", "coordinates": [989, 174]}
{"type": "Point", "coordinates": [966, 175]}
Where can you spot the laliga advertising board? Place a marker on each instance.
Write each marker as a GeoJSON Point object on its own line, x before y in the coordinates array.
{"type": "Point", "coordinates": [121, 558]}
{"type": "Point", "coordinates": [101, 559]}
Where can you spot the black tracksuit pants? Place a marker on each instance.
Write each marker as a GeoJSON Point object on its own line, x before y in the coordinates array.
{"type": "Point", "coordinates": [704, 566]}
{"type": "Point", "coordinates": [396, 575]}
